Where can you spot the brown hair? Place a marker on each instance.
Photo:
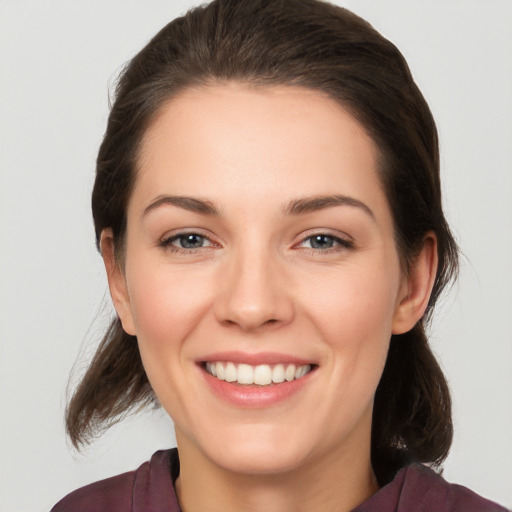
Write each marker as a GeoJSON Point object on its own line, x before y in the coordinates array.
{"type": "Point", "coordinates": [315, 45]}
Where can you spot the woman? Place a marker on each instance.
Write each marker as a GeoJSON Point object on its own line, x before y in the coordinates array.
{"type": "Point", "coordinates": [267, 204]}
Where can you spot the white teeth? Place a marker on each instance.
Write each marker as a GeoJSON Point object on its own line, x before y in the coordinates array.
{"type": "Point", "coordinates": [220, 371]}
{"type": "Point", "coordinates": [245, 374]}
{"type": "Point", "coordinates": [261, 375]}
{"type": "Point", "coordinates": [300, 371]}
{"type": "Point", "coordinates": [211, 368]}
{"type": "Point", "coordinates": [278, 373]}
{"type": "Point", "coordinates": [289, 373]}
{"type": "Point", "coordinates": [230, 373]}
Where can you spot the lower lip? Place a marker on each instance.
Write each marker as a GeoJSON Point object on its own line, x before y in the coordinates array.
{"type": "Point", "coordinates": [255, 396]}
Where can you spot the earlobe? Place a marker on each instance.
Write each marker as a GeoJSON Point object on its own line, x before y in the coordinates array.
{"type": "Point", "coordinates": [417, 287]}
{"type": "Point", "coordinates": [116, 281]}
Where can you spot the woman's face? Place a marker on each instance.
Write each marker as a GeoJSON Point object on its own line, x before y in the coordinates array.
{"type": "Point", "coordinates": [260, 248]}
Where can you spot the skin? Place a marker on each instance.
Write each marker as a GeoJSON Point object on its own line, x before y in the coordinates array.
{"type": "Point", "coordinates": [256, 284]}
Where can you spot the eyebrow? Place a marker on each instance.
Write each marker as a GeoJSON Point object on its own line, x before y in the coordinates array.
{"type": "Point", "coordinates": [315, 203]}
{"type": "Point", "coordinates": [294, 207]}
{"type": "Point", "coordinates": [192, 204]}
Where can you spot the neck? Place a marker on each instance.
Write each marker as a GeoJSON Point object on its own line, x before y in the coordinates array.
{"type": "Point", "coordinates": [337, 482]}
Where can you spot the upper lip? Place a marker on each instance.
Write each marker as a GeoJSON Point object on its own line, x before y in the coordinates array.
{"type": "Point", "coordinates": [255, 359]}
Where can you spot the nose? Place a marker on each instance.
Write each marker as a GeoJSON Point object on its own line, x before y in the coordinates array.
{"type": "Point", "coordinates": [253, 292]}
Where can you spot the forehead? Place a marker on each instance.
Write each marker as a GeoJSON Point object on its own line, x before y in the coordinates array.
{"type": "Point", "coordinates": [224, 141]}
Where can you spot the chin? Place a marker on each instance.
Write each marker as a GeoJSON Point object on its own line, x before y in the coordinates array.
{"type": "Point", "coordinates": [257, 449]}
{"type": "Point", "coordinates": [258, 459]}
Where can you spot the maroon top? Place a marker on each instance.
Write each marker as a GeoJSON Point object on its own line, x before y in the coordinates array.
{"type": "Point", "coordinates": [150, 489]}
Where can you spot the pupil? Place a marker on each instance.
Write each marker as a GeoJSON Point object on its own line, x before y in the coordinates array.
{"type": "Point", "coordinates": [321, 242]}
{"type": "Point", "coordinates": [191, 241]}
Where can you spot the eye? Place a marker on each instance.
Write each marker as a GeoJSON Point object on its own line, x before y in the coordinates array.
{"type": "Point", "coordinates": [320, 241]}
{"type": "Point", "coordinates": [324, 242]}
{"type": "Point", "coordinates": [186, 241]}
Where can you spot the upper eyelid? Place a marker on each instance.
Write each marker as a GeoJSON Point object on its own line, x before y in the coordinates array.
{"type": "Point", "coordinates": [339, 235]}
{"type": "Point", "coordinates": [343, 242]}
{"type": "Point", "coordinates": [176, 233]}
{"type": "Point", "coordinates": [168, 243]}
{"type": "Point", "coordinates": [180, 235]}
{"type": "Point", "coordinates": [326, 235]}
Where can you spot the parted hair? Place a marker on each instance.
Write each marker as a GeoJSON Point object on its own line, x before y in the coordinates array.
{"type": "Point", "coordinates": [322, 47]}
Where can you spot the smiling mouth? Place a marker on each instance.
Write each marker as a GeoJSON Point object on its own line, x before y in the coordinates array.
{"type": "Point", "coordinates": [260, 375]}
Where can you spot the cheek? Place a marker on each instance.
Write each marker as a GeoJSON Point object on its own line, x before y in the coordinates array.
{"type": "Point", "coordinates": [353, 313]}
{"type": "Point", "coordinates": [166, 304]}
{"type": "Point", "coordinates": [355, 304]}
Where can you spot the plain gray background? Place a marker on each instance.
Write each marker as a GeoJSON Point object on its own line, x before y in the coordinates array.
{"type": "Point", "coordinates": [57, 59]}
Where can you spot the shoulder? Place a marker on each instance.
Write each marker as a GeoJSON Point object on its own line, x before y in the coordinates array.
{"type": "Point", "coordinates": [426, 490]}
{"type": "Point", "coordinates": [419, 489]}
{"type": "Point", "coordinates": [113, 494]}
{"type": "Point", "coordinates": [150, 487]}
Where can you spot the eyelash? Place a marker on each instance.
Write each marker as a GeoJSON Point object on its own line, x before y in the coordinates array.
{"type": "Point", "coordinates": [338, 244]}
{"type": "Point", "coordinates": [167, 243]}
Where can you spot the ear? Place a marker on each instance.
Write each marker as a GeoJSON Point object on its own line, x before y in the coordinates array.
{"type": "Point", "coordinates": [416, 287]}
{"type": "Point", "coordinates": [116, 281]}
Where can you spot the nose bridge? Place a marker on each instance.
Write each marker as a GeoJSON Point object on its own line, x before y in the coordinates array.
{"type": "Point", "coordinates": [254, 291]}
